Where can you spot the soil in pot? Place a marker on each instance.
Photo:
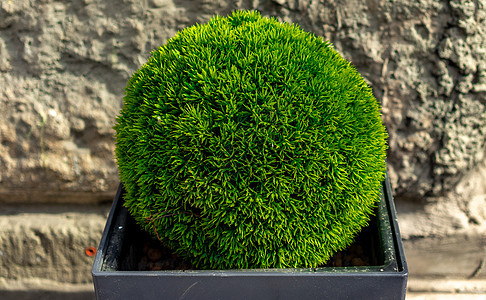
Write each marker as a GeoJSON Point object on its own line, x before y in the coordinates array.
{"type": "Point", "coordinates": [143, 253]}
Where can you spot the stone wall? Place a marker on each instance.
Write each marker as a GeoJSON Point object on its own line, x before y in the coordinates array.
{"type": "Point", "coordinates": [64, 65]}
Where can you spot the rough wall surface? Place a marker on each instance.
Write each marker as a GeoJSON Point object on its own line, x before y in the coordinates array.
{"type": "Point", "coordinates": [64, 65]}
{"type": "Point", "coordinates": [48, 242]}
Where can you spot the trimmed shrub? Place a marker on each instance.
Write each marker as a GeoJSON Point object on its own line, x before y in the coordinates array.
{"type": "Point", "coordinates": [249, 143]}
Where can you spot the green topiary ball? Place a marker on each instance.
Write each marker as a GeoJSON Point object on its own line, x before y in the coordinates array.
{"type": "Point", "coordinates": [248, 143]}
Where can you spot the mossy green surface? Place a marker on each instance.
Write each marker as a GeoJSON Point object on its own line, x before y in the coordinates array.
{"type": "Point", "coordinates": [249, 143]}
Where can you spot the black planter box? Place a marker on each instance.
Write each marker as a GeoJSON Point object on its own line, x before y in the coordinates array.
{"type": "Point", "coordinates": [116, 276]}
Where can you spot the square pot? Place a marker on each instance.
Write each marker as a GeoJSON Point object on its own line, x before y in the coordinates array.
{"type": "Point", "coordinates": [116, 276]}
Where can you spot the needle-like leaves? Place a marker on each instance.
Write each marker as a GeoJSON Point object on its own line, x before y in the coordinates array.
{"type": "Point", "coordinates": [249, 143]}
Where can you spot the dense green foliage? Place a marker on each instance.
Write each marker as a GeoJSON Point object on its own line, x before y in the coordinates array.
{"type": "Point", "coordinates": [248, 143]}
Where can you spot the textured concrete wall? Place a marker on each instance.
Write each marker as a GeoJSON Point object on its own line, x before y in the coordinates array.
{"type": "Point", "coordinates": [64, 64]}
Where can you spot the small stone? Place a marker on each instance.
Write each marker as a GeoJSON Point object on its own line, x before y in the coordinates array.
{"type": "Point", "coordinates": [154, 254]}
{"type": "Point", "coordinates": [338, 263]}
{"type": "Point", "coordinates": [357, 262]}
{"type": "Point", "coordinates": [156, 267]}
